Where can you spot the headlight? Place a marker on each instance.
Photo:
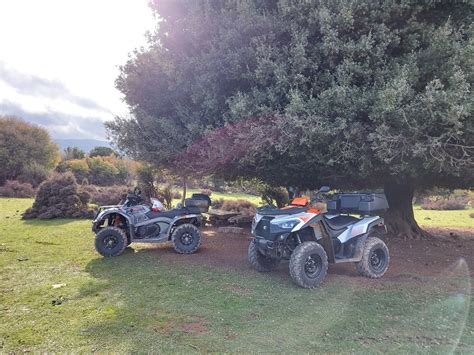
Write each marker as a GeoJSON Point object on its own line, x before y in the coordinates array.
{"type": "Point", "coordinates": [287, 224]}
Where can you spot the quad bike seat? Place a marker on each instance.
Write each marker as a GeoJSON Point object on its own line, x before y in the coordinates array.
{"type": "Point", "coordinates": [272, 211]}
{"type": "Point", "coordinates": [172, 213]}
{"type": "Point", "coordinates": [340, 222]}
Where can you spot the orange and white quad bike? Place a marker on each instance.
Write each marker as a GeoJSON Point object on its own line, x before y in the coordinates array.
{"type": "Point", "coordinates": [310, 239]}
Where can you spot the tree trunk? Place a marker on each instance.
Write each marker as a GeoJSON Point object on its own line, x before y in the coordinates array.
{"type": "Point", "coordinates": [400, 219]}
{"type": "Point", "coordinates": [184, 191]}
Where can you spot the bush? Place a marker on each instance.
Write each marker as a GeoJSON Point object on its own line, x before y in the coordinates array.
{"type": "Point", "coordinates": [243, 207]}
{"type": "Point", "coordinates": [34, 174]}
{"type": "Point", "coordinates": [60, 197]}
{"type": "Point", "coordinates": [471, 215]}
{"type": "Point", "coordinates": [217, 203]}
{"type": "Point", "coordinates": [166, 195]}
{"type": "Point", "coordinates": [444, 204]}
{"type": "Point", "coordinates": [274, 195]}
{"type": "Point", "coordinates": [13, 188]}
{"type": "Point", "coordinates": [103, 196]}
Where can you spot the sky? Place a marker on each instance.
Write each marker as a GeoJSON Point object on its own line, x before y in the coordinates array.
{"type": "Point", "coordinates": [59, 60]}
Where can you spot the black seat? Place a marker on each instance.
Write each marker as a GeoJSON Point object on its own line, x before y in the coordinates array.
{"type": "Point", "coordinates": [340, 222]}
{"type": "Point", "coordinates": [271, 211]}
{"type": "Point", "coordinates": [167, 214]}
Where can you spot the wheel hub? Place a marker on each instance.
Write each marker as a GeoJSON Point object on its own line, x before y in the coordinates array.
{"type": "Point", "coordinates": [377, 259]}
{"type": "Point", "coordinates": [312, 266]}
{"type": "Point", "coordinates": [110, 242]}
{"type": "Point", "coordinates": [186, 238]}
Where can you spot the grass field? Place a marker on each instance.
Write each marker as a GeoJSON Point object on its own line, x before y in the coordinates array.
{"type": "Point", "coordinates": [57, 294]}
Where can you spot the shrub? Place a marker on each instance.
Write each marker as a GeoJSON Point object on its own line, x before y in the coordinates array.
{"type": "Point", "coordinates": [34, 174]}
{"type": "Point", "coordinates": [444, 204]}
{"type": "Point", "coordinates": [177, 195]}
{"type": "Point", "coordinates": [13, 188]}
{"type": "Point", "coordinates": [59, 197]}
{"type": "Point", "coordinates": [471, 215]}
{"type": "Point", "coordinates": [217, 203]}
{"type": "Point", "coordinates": [243, 207]}
{"type": "Point", "coordinates": [274, 195]}
{"type": "Point", "coordinates": [103, 196]}
{"type": "Point", "coordinates": [166, 195]}
{"type": "Point", "coordinates": [206, 192]}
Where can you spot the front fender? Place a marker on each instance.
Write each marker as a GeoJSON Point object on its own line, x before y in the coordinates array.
{"type": "Point", "coordinates": [105, 214]}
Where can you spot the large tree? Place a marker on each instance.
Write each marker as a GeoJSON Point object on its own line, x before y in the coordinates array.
{"type": "Point", "coordinates": [24, 148]}
{"type": "Point", "coordinates": [355, 94]}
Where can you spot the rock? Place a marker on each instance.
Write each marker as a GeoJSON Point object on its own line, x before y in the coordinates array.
{"type": "Point", "coordinates": [22, 258]}
{"type": "Point", "coordinates": [58, 285]}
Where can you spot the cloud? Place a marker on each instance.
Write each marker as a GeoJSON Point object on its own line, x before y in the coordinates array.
{"type": "Point", "coordinates": [48, 103]}
{"type": "Point", "coordinates": [59, 124]}
{"type": "Point", "coordinates": [32, 85]}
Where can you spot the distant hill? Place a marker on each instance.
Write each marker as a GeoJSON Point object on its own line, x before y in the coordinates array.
{"type": "Point", "coordinates": [85, 144]}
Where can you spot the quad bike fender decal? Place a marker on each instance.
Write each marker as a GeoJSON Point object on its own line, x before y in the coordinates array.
{"type": "Point", "coordinates": [357, 229]}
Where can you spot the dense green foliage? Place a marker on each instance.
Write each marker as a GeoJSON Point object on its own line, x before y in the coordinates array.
{"type": "Point", "coordinates": [353, 94]}
{"type": "Point", "coordinates": [101, 152]}
{"type": "Point", "coordinates": [98, 170]}
{"type": "Point", "coordinates": [26, 151]}
{"type": "Point", "coordinates": [74, 153]}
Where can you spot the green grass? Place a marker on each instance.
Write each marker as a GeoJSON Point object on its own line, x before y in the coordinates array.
{"type": "Point", "coordinates": [139, 302]}
{"type": "Point", "coordinates": [430, 218]}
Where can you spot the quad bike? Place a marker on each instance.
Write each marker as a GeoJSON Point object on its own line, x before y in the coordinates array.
{"type": "Point", "coordinates": [310, 239]}
{"type": "Point", "coordinates": [118, 226]}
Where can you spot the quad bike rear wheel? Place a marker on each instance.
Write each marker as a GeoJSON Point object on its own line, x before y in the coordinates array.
{"type": "Point", "coordinates": [259, 261]}
{"type": "Point", "coordinates": [186, 239]}
{"type": "Point", "coordinates": [111, 241]}
{"type": "Point", "coordinates": [375, 259]}
{"type": "Point", "coordinates": [308, 264]}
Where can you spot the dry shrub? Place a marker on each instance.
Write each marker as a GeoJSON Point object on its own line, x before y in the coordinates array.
{"type": "Point", "coordinates": [177, 195]}
{"type": "Point", "coordinates": [165, 194]}
{"type": "Point", "coordinates": [444, 204]}
{"type": "Point", "coordinates": [60, 197]}
{"type": "Point", "coordinates": [217, 203]}
{"type": "Point", "coordinates": [471, 215]}
{"type": "Point", "coordinates": [243, 207]}
{"type": "Point", "coordinates": [13, 188]}
{"type": "Point", "coordinates": [103, 196]}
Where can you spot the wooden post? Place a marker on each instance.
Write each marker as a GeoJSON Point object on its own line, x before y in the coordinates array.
{"type": "Point", "coordinates": [184, 190]}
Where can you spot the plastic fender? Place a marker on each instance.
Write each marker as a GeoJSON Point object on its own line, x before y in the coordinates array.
{"type": "Point", "coordinates": [174, 222]}
{"type": "Point", "coordinates": [363, 237]}
{"type": "Point", "coordinates": [102, 216]}
{"type": "Point", "coordinates": [307, 220]}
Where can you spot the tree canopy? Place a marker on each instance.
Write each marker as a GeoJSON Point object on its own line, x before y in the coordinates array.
{"type": "Point", "coordinates": [24, 149]}
{"type": "Point", "coordinates": [300, 93]}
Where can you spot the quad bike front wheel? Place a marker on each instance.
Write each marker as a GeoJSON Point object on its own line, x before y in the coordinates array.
{"type": "Point", "coordinates": [111, 241]}
{"type": "Point", "coordinates": [375, 259]}
{"type": "Point", "coordinates": [308, 264]}
{"type": "Point", "coordinates": [259, 261]}
{"type": "Point", "coordinates": [186, 239]}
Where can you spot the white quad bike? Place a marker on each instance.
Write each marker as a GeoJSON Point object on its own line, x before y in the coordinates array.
{"type": "Point", "coordinates": [310, 239]}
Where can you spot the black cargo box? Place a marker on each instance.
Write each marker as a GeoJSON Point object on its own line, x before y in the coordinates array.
{"type": "Point", "coordinates": [358, 203]}
{"type": "Point", "coordinates": [198, 201]}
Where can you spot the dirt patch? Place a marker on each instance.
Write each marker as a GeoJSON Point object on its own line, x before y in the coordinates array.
{"type": "Point", "coordinates": [428, 257]}
{"type": "Point", "coordinates": [199, 326]}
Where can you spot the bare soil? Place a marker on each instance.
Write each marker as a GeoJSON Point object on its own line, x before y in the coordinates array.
{"type": "Point", "coordinates": [429, 256]}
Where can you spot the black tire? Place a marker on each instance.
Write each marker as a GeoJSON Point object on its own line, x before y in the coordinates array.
{"type": "Point", "coordinates": [259, 261]}
{"type": "Point", "coordinates": [186, 239]}
{"type": "Point", "coordinates": [308, 265]}
{"type": "Point", "coordinates": [375, 259]}
{"type": "Point", "coordinates": [111, 241]}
